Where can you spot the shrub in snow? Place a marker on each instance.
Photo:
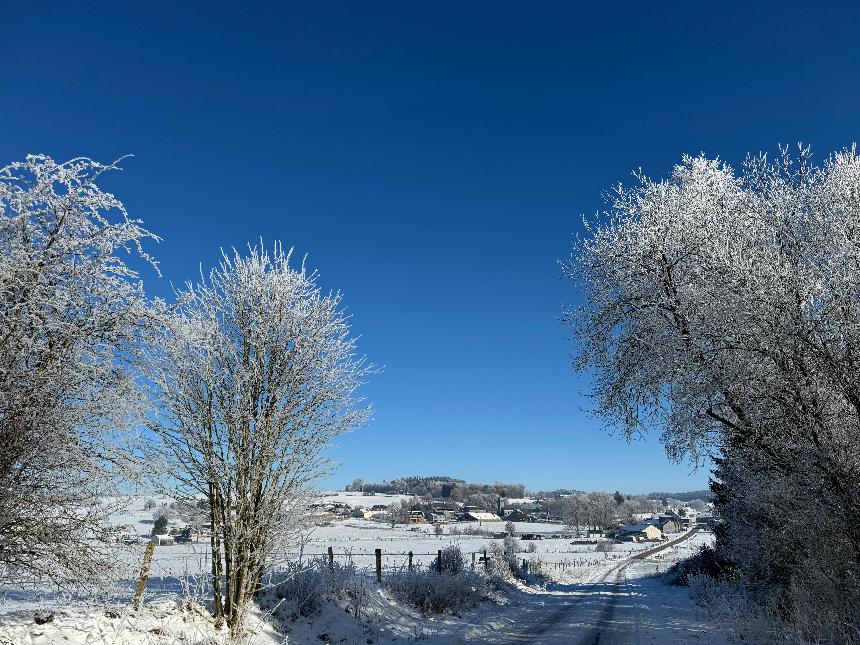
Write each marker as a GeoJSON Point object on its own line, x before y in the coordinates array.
{"type": "Point", "coordinates": [435, 593]}
{"type": "Point", "coordinates": [511, 545]}
{"type": "Point", "coordinates": [453, 560]}
{"type": "Point", "coordinates": [301, 588]}
{"type": "Point", "coordinates": [705, 562]}
{"type": "Point", "coordinates": [503, 562]}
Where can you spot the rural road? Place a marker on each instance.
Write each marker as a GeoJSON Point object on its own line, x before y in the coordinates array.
{"type": "Point", "coordinates": [582, 614]}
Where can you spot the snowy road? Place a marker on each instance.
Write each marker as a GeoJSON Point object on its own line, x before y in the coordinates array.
{"type": "Point", "coordinates": [611, 609]}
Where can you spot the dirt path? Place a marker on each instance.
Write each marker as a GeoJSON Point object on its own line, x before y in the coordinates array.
{"type": "Point", "coordinates": [578, 614]}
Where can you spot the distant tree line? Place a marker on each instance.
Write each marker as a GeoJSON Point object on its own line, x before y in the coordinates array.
{"type": "Point", "coordinates": [442, 487]}
{"type": "Point", "coordinates": [704, 495]}
{"type": "Point", "coordinates": [600, 510]}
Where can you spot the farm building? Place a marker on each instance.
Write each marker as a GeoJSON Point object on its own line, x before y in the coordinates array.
{"type": "Point", "coordinates": [438, 515]}
{"type": "Point", "coordinates": [640, 532]}
{"type": "Point", "coordinates": [705, 519]}
{"type": "Point", "coordinates": [416, 517]}
{"type": "Point", "coordinates": [595, 533]}
{"type": "Point", "coordinates": [163, 540]}
{"type": "Point", "coordinates": [518, 515]}
{"type": "Point", "coordinates": [667, 524]}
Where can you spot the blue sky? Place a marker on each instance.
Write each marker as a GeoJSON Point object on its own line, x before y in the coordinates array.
{"type": "Point", "coordinates": [434, 161]}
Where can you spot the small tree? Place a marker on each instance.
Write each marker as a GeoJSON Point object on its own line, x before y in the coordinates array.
{"type": "Point", "coordinates": [253, 375]}
{"type": "Point", "coordinates": [398, 512]}
{"type": "Point", "coordinates": [149, 504]}
{"type": "Point", "coordinates": [510, 528]}
{"type": "Point", "coordinates": [160, 526]}
{"type": "Point", "coordinates": [165, 512]}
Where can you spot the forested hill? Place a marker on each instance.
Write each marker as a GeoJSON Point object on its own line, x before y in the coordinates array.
{"type": "Point", "coordinates": [684, 497]}
{"type": "Point", "coordinates": [439, 487]}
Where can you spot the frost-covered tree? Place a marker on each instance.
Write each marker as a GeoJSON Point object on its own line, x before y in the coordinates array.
{"type": "Point", "coordinates": [71, 308]}
{"type": "Point", "coordinates": [254, 374]}
{"type": "Point", "coordinates": [572, 510]}
{"type": "Point", "coordinates": [722, 308]}
{"type": "Point", "coordinates": [159, 527]}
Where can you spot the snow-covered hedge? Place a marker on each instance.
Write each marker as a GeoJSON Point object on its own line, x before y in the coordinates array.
{"type": "Point", "coordinates": [301, 588]}
{"type": "Point", "coordinates": [436, 593]}
{"type": "Point", "coordinates": [454, 589]}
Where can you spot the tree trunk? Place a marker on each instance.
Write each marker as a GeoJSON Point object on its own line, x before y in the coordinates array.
{"type": "Point", "coordinates": [217, 563]}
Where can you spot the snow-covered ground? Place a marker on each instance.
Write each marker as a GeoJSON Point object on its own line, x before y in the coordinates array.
{"type": "Point", "coordinates": [581, 579]}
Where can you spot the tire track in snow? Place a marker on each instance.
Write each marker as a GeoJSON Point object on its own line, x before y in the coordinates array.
{"type": "Point", "coordinates": [599, 634]}
{"type": "Point", "coordinates": [595, 637]}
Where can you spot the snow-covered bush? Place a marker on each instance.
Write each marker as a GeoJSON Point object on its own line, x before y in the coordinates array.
{"type": "Point", "coordinates": [454, 589]}
{"type": "Point", "coordinates": [511, 545]}
{"type": "Point", "coordinates": [301, 588]}
{"type": "Point", "coordinates": [435, 593]}
{"type": "Point", "coordinates": [453, 560]}
{"type": "Point", "coordinates": [706, 562]}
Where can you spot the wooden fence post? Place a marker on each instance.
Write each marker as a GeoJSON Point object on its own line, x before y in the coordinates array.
{"type": "Point", "coordinates": [144, 574]}
{"type": "Point", "coordinates": [331, 558]}
{"type": "Point", "coordinates": [379, 565]}
{"type": "Point", "coordinates": [486, 562]}
{"type": "Point", "coordinates": [473, 560]}
{"type": "Point", "coordinates": [410, 560]}
{"type": "Point", "coordinates": [439, 561]}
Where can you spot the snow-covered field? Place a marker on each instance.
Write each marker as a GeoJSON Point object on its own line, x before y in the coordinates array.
{"type": "Point", "coordinates": [360, 500]}
{"type": "Point", "coordinates": [177, 571]}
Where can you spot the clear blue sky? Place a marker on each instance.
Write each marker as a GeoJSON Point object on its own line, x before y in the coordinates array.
{"type": "Point", "coordinates": [434, 162]}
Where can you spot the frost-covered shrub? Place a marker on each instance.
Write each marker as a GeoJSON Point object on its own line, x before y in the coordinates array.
{"type": "Point", "coordinates": [503, 562]}
{"type": "Point", "coordinates": [511, 545]}
{"type": "Point", "coordinates": [453, 560]}
{"type": "Point", "coordinates": [743, 616]}
{"type": "Point", "coordinates": [705, 562]}
{"type": "Point", "coordinates": [435, 593]}
{"type": "Point", "coordinates": [301, 589]}
{"type": "Point", "coordinates": [738, 615]}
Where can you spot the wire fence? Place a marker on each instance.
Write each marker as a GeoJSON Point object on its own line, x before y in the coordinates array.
{"type": "Point", "coordinates": [377, 561]}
